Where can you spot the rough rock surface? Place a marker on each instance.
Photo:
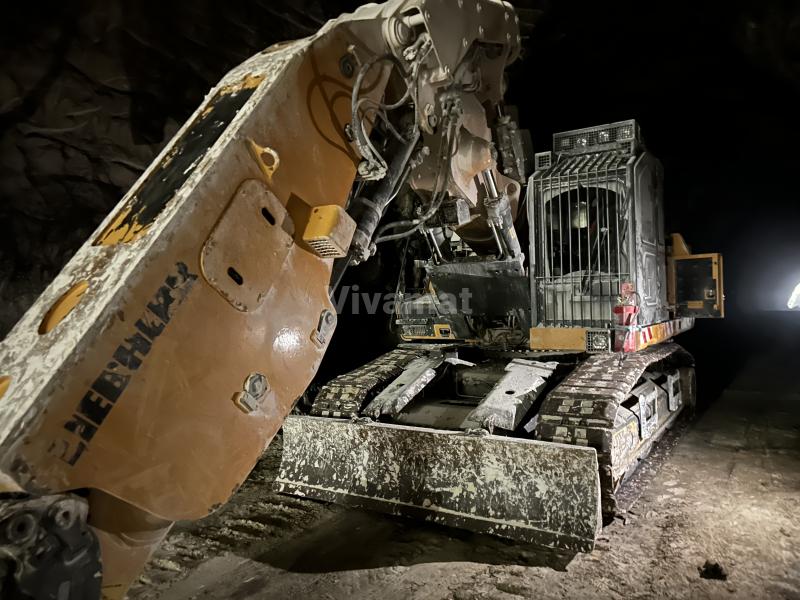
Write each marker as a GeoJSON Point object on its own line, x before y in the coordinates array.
{"type": "Point", "coordinates": [90, 92]}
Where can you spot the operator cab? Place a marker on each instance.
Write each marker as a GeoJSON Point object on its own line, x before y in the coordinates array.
{"type": "Point", "coordinates": [597, 276]}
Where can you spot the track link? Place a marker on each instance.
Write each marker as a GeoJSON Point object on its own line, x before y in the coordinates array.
{"type": "Point", "coordinates": [347, 394]}
{"type": "Point", "coordinates": [584, 410]}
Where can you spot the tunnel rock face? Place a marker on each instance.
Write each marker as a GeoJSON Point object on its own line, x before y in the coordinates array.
{"type": "Point", "coordinates": [90, 92]}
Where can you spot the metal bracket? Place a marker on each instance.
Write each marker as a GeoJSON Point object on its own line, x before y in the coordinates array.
{"type": "Point", "coordinates": [254, 388]}
{"type": "Point", "coordinates": [266, 158]}
{"type": "Point", "coordinates": [327, 324]}
{"type": "Point", "coordinates": [646, 408]}
{"type": "Point", "coordinates": [247, 246]}
{"type": "Point", "coordinates": [419, 373]}
{"type": "Point", "coordinates": [512, 396]}
{"type": "Point", "coordinates": [49, 547]}
{"type": "Point", "coordinates": [674, 391]}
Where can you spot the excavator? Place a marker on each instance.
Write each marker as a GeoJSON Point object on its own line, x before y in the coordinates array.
{"type": "Point", "coordinates": [538, 298]}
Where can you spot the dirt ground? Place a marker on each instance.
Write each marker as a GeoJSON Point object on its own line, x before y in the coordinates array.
{"type": "Point", "coordinates": [724, 488]}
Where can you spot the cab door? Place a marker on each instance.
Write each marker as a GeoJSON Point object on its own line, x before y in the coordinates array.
{"type": "Point", "coordinates": [695, 282]}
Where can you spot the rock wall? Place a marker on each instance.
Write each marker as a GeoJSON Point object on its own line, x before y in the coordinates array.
{"type": "Point", "coordinates": [89, 92]}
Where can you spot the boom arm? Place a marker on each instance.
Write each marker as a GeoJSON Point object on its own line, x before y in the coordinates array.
{"type": "Point", "coordinates": [149, 376]}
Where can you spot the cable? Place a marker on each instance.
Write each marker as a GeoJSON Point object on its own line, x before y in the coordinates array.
{"type": "Point", "coordinates": [416, 223]}
{"type": "Point", "coordinates": [400, 181]}
{"type": "Point", "coordinates": [382, 114]}
{"type": "Point", "coordinates": [360, 137]}
{"type": "Point", "coordinates": [446, 149]}
{"type": "Point", "coordinates": [362, 72]}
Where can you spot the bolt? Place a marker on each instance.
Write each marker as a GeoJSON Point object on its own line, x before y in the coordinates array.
{"type": "Point", "coordinates": [480, 31]}
{"type": "Point", "coordinates": [63, 516]}
{"type": "Point", "coordinates": [21, 528]}
{"type": "Point", "coordinates": [256, 385]}
{"type": "Point", "coordinates": [346, 66]}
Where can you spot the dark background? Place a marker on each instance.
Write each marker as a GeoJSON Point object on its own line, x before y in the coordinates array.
{"type": "Point", "coordinates": [91, 90]}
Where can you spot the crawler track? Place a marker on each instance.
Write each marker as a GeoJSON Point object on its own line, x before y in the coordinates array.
{"type": "Point", "coordinates": [584, 410]}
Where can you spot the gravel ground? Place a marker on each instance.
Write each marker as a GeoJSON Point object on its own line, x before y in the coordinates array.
{"type": "Point", "coordinates": [722, 492]}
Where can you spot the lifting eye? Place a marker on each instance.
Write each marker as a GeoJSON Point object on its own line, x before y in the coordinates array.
{"type": "Point", "coordinates": [235, 275]}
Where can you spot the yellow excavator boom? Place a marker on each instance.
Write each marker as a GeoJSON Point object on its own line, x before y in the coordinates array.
{"type": "Point", "coordinates": [144, 383]}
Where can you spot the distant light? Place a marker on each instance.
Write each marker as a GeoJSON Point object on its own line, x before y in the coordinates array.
{"type": "Point", "coordinates": [794, 299]}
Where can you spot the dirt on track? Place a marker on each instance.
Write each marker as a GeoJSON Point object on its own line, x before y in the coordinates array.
{"type": "Point", "coordinates": [723, 490]}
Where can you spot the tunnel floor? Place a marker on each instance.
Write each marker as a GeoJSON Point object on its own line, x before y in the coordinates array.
{"type": "Point", "coordinates": [723, 489]}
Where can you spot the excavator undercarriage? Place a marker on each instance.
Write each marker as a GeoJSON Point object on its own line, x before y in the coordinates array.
{"type": "Point", "coordinates": [523, 411]}
{"type": "Point", "coordinates": [565, 435]}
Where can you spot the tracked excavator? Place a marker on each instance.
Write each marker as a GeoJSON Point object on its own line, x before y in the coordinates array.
{"type": "Point", "coordinates": [534, 365]}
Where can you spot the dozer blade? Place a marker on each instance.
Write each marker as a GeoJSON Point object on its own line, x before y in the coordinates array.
{"type": "Point", "coordinates": [535, 492]}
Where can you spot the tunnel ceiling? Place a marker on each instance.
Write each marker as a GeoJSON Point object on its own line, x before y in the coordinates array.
{"type": "Point", "coordinates": [91, 90]}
